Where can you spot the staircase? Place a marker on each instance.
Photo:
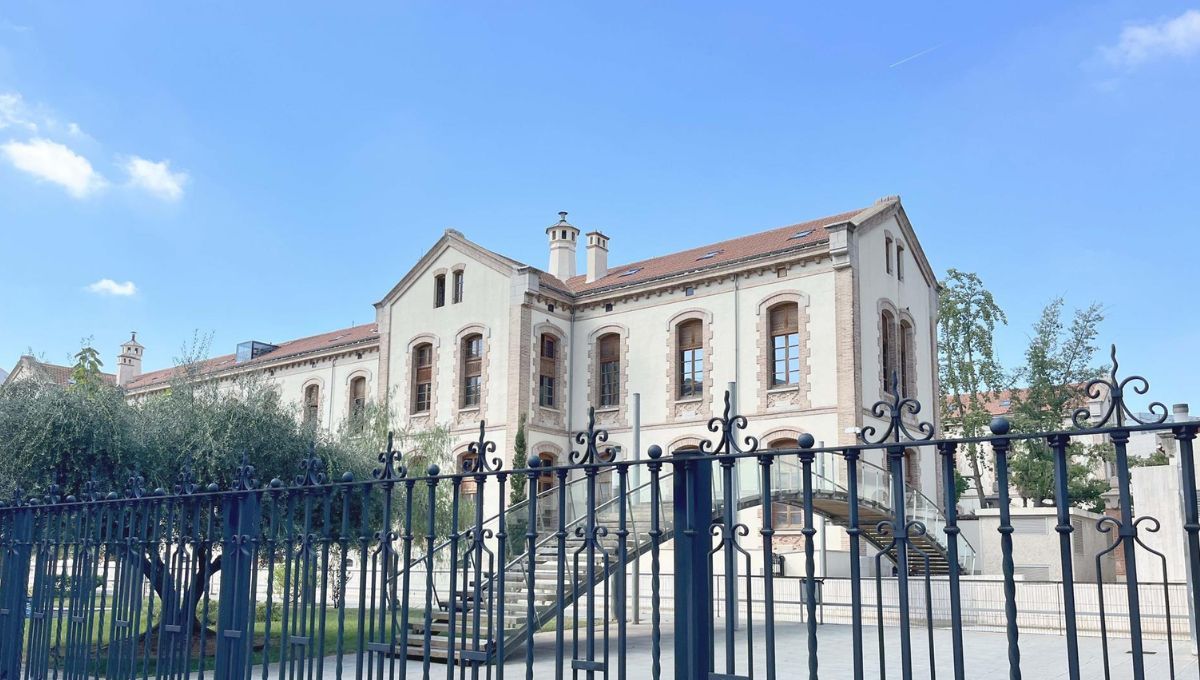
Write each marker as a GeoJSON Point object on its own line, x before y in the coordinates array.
{"type": "Point", "coordinates": [830, 499]}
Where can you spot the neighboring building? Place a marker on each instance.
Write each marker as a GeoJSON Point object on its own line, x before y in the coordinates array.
{"type": "Point", "coordinates": [29, 368]}
{"type": "Point", "coordinates": [806, 321]}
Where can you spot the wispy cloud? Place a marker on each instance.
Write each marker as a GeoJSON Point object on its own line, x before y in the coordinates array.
{"type": "Point", "coordinates": [156, 178]}
{"type": "Point", "coordinates": [56, 163]}
{"type": "Point", "coordinates": [14, 113]}
{"type": "Point", "coordinates": [1141, 43]}
{"type": "Point", "coordinates": [110, 287]}
{"type": "Point", "coordinates": [6, 25]}
{"type": "Point", "coordinates": [910, 57]}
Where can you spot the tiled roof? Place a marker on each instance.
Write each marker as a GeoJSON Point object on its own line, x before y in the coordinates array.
{"type": "Point", "coordinates": [762, 243]}
{"type": "Point", "coordinates": [291, 348]}
{"type": "Point", "coordinates": [61, 375]}
{"type": "Point", "coordinates": [998, 403]}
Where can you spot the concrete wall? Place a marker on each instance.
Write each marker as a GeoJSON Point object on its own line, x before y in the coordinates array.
{"type": "Point", "coordinates": [1036, 551]}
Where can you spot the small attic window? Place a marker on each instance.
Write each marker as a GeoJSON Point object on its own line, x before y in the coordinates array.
{"type": "Point", "coordinates": [630, 272]}
{"type": "Point", "coordinates": [800, 234]}
{"type": "Point", "coordinates": [710, 255]}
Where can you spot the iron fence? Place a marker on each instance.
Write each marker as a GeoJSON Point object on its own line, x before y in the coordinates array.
{"type": "Point", "coordinates": [314, 576]}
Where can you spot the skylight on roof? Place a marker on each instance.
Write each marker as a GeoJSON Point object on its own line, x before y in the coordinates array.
{"type": "Point", "coordinates": [800, 234]}
{"type": "Point", "coordinates": [630, 272]}
{"type": "Point", "coordinates": [710, 255]}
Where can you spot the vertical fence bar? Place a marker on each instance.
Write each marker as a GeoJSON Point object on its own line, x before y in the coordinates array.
{"type": "Point", "coordinates": [768, 532]}
{"type": "Point", "coordinates": [1128, 535]}
{"type": "Point", "coordinates": [531, 536]}
{"type": "Point", "coordinates": [810, 577]}
{"type": "Point", "coordinates": [895, 456]}
{"type": "Point", "coordinates": [17, 525]}
{"type": "Point", "coordinates": [240, 514]}
{"type": "Point", "coordinates": [656, 534]}
{"type": "Point", "coordinates": [1000, 446]}
{"type": "Point", "coordinates": [1185, 435]}
{"type": "Point", "coordinates": [952, 530]}
{"type": "Point", "coordinates": [854, 533]}
{"type": "Point", "coordinates": [622, 562]}
{"type": "Point", "coordinates": [1058, 444]}
{"type": "Point", "coordinates": [693, 583]}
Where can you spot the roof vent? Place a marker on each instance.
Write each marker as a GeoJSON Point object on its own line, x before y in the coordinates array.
{"type": "Point", "coordinates": [253, 349]}
{"type": "Point", "coordinates": [630, 272]}
{"type": "Point", "coordinates": [709, 255]}
{"type": "Point", "coordinates": [800, 234]}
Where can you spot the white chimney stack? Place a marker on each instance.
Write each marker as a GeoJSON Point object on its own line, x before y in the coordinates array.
{"type": "Point", "coordinates": [597, 256]}
{"type": "Point", "coordinates": [563, 238]}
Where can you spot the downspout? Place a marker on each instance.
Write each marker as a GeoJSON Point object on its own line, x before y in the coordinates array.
{"type": "Point", "coordinates": [332, 375]}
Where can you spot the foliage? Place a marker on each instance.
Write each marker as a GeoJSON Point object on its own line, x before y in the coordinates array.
{"type": "Point", "coordinates": [961, 484]}
{"type": "Point", "coordinates": [1157, 457]}
{"type": "Point", "coordinates": [519, 462]}
{"type": "Point", "coordinates": [1058, 362]}
{"type": "Point", "coordinates": [969, 373]}
{"type": "Point", "coordinates": [86, 374]}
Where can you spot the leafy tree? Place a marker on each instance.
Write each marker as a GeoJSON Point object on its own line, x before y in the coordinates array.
{"type": "Point", "coordinates": [86, 375]}
{"type": "Point", "coordinates": [968, 370]}
{"type": "Point", "coordinates": [520, 460]}
{"type": "Point", "coordinates": [1058, 362]}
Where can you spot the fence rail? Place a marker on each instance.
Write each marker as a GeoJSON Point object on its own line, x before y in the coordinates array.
{"type": "Point", "coordinates": [313, 576]}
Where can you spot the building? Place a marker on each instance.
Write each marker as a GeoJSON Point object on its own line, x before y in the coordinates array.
{"type": "Point", "coordinates": [806, 322]}
{"type": "Point", "coordinates": [29, 368]}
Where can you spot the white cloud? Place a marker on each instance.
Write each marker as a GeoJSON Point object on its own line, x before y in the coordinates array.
{"type": "Point", "coordinates": [14, 113]}
{"type": "Point", "coordinates": [110, 287]}
{"type": "Point", "coordinates": [156, 178]}
{"type": "Point", "coordinates": [54, 162]}
{"type": "Point", "coordinates": [1140, 43]}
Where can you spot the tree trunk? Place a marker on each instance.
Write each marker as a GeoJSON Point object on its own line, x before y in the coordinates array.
{"type": "Point", "coordinates": [977, 477]}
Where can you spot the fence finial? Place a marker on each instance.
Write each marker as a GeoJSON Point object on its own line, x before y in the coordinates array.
{"type": "Point", "coordinates": [1117, 409]}
{"type": "Point", "coordinates": [726, 426]}
{"type": "Point", "coordinates": [591, 438]}
{"type": "Point", "coordinates": [894, 411]}
{"type": "Point", "coordinates": [478, 453]}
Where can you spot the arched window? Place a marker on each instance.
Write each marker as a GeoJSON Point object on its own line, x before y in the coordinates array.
{"type": "Point", "coordinates": [608, 348]}
{"type": "Point", "coordinates": [458, 287]}
{"type": "Point", "coordinates": [471, 370]}
{"type": "Point", "coordinates": [358, 400]}
{"type": "Point", "coordinates": [785, 344]}
{"type": "Point", "coordinates": [469, 490]}
{"type": "Point", "coordinates": [546, 480]}
{"type": "Point", "coordinates": [422, 372]}
{"type": "Point", "coordinates": [887, 323]}
{"type": "Point", "coordinates": [690, 354]}
{"type": "Point", "coordinates": [312, 404]}
{"type": "Point", "coordinates": [908, 378]}
{"type": "Point", "coordinates": [785, 516]}
{"type": "Point", "coordinates": [548, 371]}
{"type": "Point", "coordinates": [439, 290]}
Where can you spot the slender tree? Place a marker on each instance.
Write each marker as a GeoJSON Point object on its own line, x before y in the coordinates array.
{"type": "Point", "coordinates": [968, 370]}
{"type": "Point", "coordinates": [1058, 362]}
{"type": "Point", "coordinates": [520, 460]}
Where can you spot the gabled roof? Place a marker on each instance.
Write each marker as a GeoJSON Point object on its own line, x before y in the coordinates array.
{"type": "Point", "coordinates": [778, 240]}
{"type": "Point", "coordinates": [291, 349]}
{"type": "Point", "coordinates": [53, 373]}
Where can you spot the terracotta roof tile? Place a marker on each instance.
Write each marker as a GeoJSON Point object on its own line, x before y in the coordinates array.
{"type": "Point", "coordinates": [762, 243]}
{"type": "Point", "coordinates": [291, 348]}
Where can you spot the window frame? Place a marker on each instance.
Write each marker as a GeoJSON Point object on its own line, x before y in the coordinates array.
{"type": "Point", "coordinates": [471, 371]}
{"type": "Point", "coordinates": [422, 376]}
{"type": "Point", "coordinates": [789, 331]}
{"type": "Point", "coordinates": [548, 349]}
{"type": "Point", "coordinates": [439, 291]}
{"type": "Point", "coordinates": [456, 291]}
{"type": "Point", "coordinates": [608, 371]}
{"type": "Point", "coordinates": [689, 359]}
{"type": "Point", "coordinates": [312, 403]}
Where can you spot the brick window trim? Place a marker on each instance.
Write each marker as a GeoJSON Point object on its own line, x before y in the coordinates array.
{"type": "Point", "coordinates": [783, 396]}
{"type": "Point", "coordinates": [550, 416]}
{"type": "Point", "coordinates": [471, 415]}
{"type": "Point", "coordinates": [608, 416]}
{"type": "Point", "coordinates": [421, 419]}
{"type": "Point", "coordinates": [689, 408]}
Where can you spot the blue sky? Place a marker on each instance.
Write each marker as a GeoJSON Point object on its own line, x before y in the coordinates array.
{"type": "Point", "coordinates": [268, 170]}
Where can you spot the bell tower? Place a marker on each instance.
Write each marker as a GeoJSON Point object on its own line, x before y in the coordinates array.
{"type": "Point", "coordinates": [129, 361]}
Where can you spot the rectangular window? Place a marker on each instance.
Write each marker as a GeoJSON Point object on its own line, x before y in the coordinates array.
{"type": "Point", "coordinates": [785, 344]}
{"type": "Point", "coordinates": [887, 255]}
{"type": "Point", "coordinates": [472, 370]}
{"type": "Point", "coordinates": [546, 391]}
{"type": "Point", "coordinates": [422, 378]}
{"type": "Point", "coordinates": [691, 359]}
{"type": "Point", "coordinates": [610, 370]}
{"type": "Point", "coordinates": [458, 287]}
{"type": "Point", "coordinates": [439, 290]}
{"type": "Point", "coordinates": [900, 262]}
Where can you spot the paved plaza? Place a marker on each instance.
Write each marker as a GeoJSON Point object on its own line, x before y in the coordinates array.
{"type": "Point", "coordinates": [1042, 656]}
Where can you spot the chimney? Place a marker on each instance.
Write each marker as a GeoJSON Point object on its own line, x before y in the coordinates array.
{"type": "Point", "coordinates": [129, 362]}
{"type": "Point", "coordinates": [563, 238]}
{"type": "Point", "coordinates": [597, 256]}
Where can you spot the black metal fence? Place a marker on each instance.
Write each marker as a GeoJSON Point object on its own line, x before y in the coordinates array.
{"type": "Point", "coordinates": [343, 577]}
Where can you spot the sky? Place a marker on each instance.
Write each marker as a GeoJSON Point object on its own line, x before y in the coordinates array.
{"type": "Point", "coordinates": [269, 170]}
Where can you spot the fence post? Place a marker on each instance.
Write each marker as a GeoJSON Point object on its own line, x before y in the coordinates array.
{"type": "Point", "coordinates": [693, 565]}
{"type": "Point", "coordinates": [17, 545]}
{"type": "Point", "coordinates": [240, 518]}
